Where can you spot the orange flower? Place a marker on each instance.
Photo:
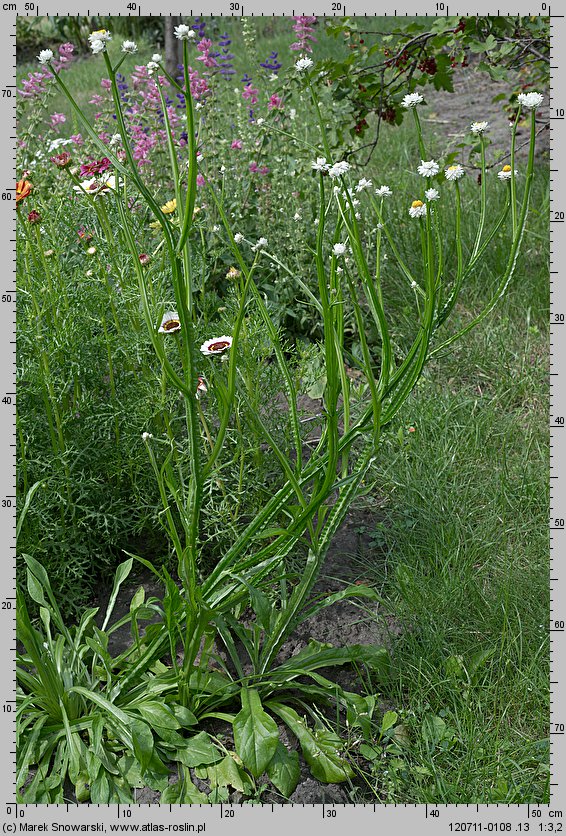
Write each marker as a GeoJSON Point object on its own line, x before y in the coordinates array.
{"type": "Point", "coordinates": [23, 189]}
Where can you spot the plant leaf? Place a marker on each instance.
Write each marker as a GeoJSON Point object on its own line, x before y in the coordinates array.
{"type": "Point", "coordinates": [255, 733]}
{"type": "Point", "coordinates": [199, 750]}
{"type": "Point", "coordinates": [284, 770]}
{"type": "Point", "coordinates": [122, 573]}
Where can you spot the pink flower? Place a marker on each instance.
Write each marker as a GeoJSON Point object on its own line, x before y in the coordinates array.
{"type": "Point", "coordinates": [275, 102]}
{"type": "Point", "coordinates": [303, 27]}
{"type": "Point", "coordinates": [237, 143]}
{"type": "Point", "coordinates": [77, 139]}
{"type": "Point", "coordinates": [250, 94]}
{"type": "Point", "coordinates": [96, 99]}
{"type": "Point", "coordinates": [105, 83]}
{"type": "Point", "coordinates": [204, 47]}
{"type": "Point", "coordinates": [200, 180]}
{"type": "Point", "coordinates": [57, 119]}
{"type": "Point", "coordinates": [253, 167]}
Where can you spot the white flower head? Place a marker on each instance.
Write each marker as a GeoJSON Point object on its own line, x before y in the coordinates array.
{"type": "Point", "coordinates": [303, 64]}
{"type": "Point", "coordinates": [383, 191]}
{"type": "Point", "coordinates": [506, 173]}
{"type": "Point", "coordinates": [320, 164]}
{"type": "Point", "coordinates": [184, 32]}
{"type": "Point", "coordinates": [297, 216]}
{"type": "Point", "coordinates": [238, 237]}
{"type": "Point", "coordinates": [146, 436]}
{"type": "Point", "coordinates": [100, 35]}
{"type": "Point", "coordinates": [157, 58]}
{"type": "Point", "coordinates": [115, 139]}
{"type": "Point", "coordinates": [413, 284]}
{"type": "Point", "coordinates": [217, 345]}
{"type": "Point", "coordinates": [261, 243]}
{"type": "Point", "coordinates": [97, 47]}
{"type": "Point", "coordinates": [260, 121]}
{"type": "Point", "coordinates": [170, 323]}
{"type": "Point", "coordinates": [339, 249]}
{"type": "Point", "coordinates": [412, 100]}
{"type": "Point", "coordinates": [45, 56]}
{"type": "Point", "coordinates": [479, 127]}
{"type": "Point", "coordinates": [432, 194]}
{"type": "Point", "coordinates": [292, 113]}
{"type": "Point", "coordinates": [454, 172]}
{"type": "Point", "coordinates": [417, 209]}
{"type": "Point", "coordinates": [97, 185]}
{"type": "Point", "coordinates": [152, 66]}
{"type": "Point", "coordinates": [429, 168]}
{"type": "Point", "coordinates": [363, 184]}
{"type": "Point", "coordinates": [98, 40]}
{"type": "Point", "coordinates": [530, 101]}
{"type": "Point", "coordinates": [338, 169]}
{"type": "Point", "coordinates": [130, 47]}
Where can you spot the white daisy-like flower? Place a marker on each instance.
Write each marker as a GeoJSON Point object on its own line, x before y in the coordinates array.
{"type": "Point", "coordinates": [338, 169]}
{"type": "Point", "coordinates": [303, 64]}
{"type": "Point", "coordinates": [506, 173]}
{"type": "Point", "coordinates": [454, 172]}
{"type": "Point", "coordinates": [156, 57]}
{"type": "Point", "coordinates": [184, 32]}
{"type": "Point", "coordinates": [100, 35]}
{"type": "Point", "coordinates": [320, 164]}
{"type": "Point", "coordinates": [339, 249]}
{"type": "Point", "coordinates": [97, 47]}
{"type": "Point", "coordinates": [383, 191]}
{"type": "Point", "coordinates": [530, 100]}
{"type": "Point", "coordinates": [217, 345]}
{"type": "Point", "coordinates": [432, 194]}
{"type": "Point", "coordinates": [130, 47]}
{"type": "Point", "coordinates": [417, 209]}
{"type": "Point", "coordinates": [152, 66]}
{"type": "Point", "coordinates": [479, 127]}
{"type": "Point", "coordinates": [45, 56]}
{"type": "Point", "coordinates": [412, 100]}
{"type": "Point", "coordinates": [238, 237]}
{"type": "Point", "coordinates": [428, 168]}
{"type": "Point", "coordinates": [97, 185]}
{"type": "Point", "coordinates": [261, 243]}
{"type": "Point", "coordinates": [363, 184]}
{"type": "Point", "coordinates": [170, 323]}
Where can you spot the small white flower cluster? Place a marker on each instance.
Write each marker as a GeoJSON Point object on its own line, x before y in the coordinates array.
{"type": "Point", "coordinates": [320, 164]}
{"type": "Point", "coordinates": [429, 168]}
{"type": "Point", "coordinates": [45, 56]}
{"type": "Point", "coordinates": [153, 65]}
{"type": "Point", "coordinates": [412, 100]}
{"type": "Point", "coordinates": [129, 47]}
{"type": "Point", "coordinates": [261, 243]}
{"type": "Point", "coordinates": [338, 249]}
{"type": "Point", "coordinates": [238, 237]}
{"type": "Point", "coordinates": [530, 101]}
{"type": "Point", "coordinates": [383, 191]}
{"type": "Point", "coordinates": [454, 172]}
{"type": "Point", "coordinates": [417, 209]}
{"type": "Point", "coordinates": [184, 32]}
{"type": "Point", "coordinates": [338, 169]}
{"type": "Point", "coordinates": [303, 64]}
{"type": "Point", "coordinates": [479, 127]}
{"type": "Point", "coordinates": [363, 184]}
{"type": "Point", "coordinates": [98, 40]}
{"type": "Point", "coordinates": [506, 173]}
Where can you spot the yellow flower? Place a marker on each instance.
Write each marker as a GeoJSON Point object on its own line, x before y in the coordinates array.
{"type": "Point", "coordinates": [169, 207]}
{"type": "Point", "coordinates": [233, 273]}
{"type": "Point", "coordinates": [506, 168]}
